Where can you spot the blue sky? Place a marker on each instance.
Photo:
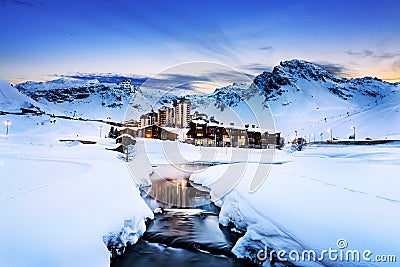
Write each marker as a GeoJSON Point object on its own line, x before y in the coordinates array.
{"type": "Point", "coordinates": [43, 39]}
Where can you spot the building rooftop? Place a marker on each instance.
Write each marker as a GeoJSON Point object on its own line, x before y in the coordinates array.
{"type": "Point", "coordinates": [213, 124]}
{"type": "Point", "coordinates": [125, 135]}
{"type": "Point", "coordinates": [199, 121]}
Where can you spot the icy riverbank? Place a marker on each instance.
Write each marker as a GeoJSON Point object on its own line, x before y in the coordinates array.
{"type": "Point", "coordinates": [57, 199]}
{"type": "Point", "coordinates": [310, 200]}
{"type": "Point", "coordinates": [319, 196]}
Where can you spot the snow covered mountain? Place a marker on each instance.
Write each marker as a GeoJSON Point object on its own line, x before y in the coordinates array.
{"type": "Point", "coordinates": [310, 100]}
{"type": "Point", "coordinates": [301, 97]}
{"type": "Point", "coordinates": [11, 100]}
{"type": "Point", "coordinates": [297, 96]}
{"type": "Point", "coordinates": [81, 98]}
{"type": "Point", "coordinates": [305, 98]}
{"type": "Point", "coordinates": [61, 83]}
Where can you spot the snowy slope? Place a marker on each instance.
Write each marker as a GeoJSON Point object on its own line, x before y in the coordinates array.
{"type": "Point", "coordinates": [238, 103]}
{"type": "Point", "coordinates": [310, 94]}
{"type": "Point", "coordinates": [61, 83]}
{"type": "Point", "coordinates": [58, 199]}
{"type": "Point", "coordinates": [11, 100]}
{"type": "Point", "coordinates": [80, 98]}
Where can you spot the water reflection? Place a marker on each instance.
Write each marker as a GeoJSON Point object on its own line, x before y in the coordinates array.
{"type": "Point", "coordinates": [171, 188]}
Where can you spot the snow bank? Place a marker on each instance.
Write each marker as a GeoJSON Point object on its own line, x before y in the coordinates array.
{"type": "Point", "coordinates": [58, 201]}
{"type": "Point", "coordinates": [321, 195]}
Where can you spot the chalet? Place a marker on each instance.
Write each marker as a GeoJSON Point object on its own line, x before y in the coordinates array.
{"type": "Point", "coordinates": [214, 134]}
{"type": "Point", "coordinates": [254, 137]}
{"type": "Point", "coordinates": [125, 139]}
{"type": "Point", "coordinates": [205, 133]}
{"type": "Point", "coordinates": [270, 140]}
{"type": "Point", "coordinates": [131, 123]}
{"type": "Point", "coordinates": [129, 131]}
{"type": "Point", "coordinates": [197, 131]}
{"type": "Point", "coordinates": [237, 137]}
{"type": "Point", "coordinates": [257, 138]}
{"type": "Point", "coordinates": [156, 132]}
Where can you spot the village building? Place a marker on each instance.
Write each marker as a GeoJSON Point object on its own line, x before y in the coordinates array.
{"type": "Point", "coordinates": [182, 112]}
{"type": "Point", "coordinates": [125, 139]}
{"type": "Point", "coordinates": [254, 137]}
{"type": "Point", "coordinates": [270, 140]}
{"type": "Point", "coordinates": [237, 137]}
{"type": "Point", "coordinates": [156, 132]}
{"type": "Point", "coordinates": [163, 113]}
{"type": "Point", "coordinates": [214, 134]}
{"type": "Point", "coordinates": [198, 115]}
{"type": "Point", "coordinates": [131, 123]}
{"type": "Point", "coordinates": [176, 116]}
{"type": "Point", "coordinates": [127, 130]}
{"type": "Point", "coordinates": [171, 123]}
{"type": "Point", "coordinates": [197, 131]}
{"type": "Point", "coordinates": [150, 118]}
{"type": "Point", "coordinates": [203, 133]}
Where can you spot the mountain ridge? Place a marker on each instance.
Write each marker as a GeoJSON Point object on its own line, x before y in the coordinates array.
{"type": "Point", "coordinates": [303, 98]}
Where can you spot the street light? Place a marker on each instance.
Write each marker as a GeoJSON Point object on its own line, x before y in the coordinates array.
{"type": "Point", "coordinates": [296, 133]}
{"type": "Point", "coordinates": [354, 134]}
{"type": "Point", "coordinates": [7, 123]}
{"type": "Point", "coordinates": [100, 128]}
{"type": "Point", "coordinates": [330, 131]}
{"type": "Point", "coordinates": [314, 137]}
{"type": "Point", "coordinates": [321, 134]}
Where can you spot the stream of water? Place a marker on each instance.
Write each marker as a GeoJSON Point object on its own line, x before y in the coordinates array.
{"type": "Point", "coordinates": [187, 232]}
